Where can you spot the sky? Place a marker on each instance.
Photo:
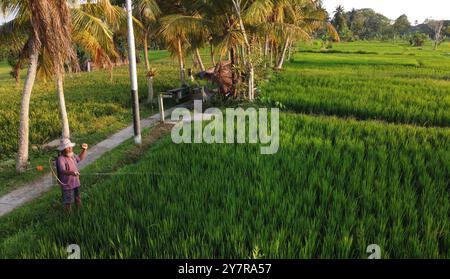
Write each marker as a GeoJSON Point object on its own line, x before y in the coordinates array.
{"type": "Point", "coordinates": [414, 9]}
{"type": "Point", "coordinates": [3, 18]}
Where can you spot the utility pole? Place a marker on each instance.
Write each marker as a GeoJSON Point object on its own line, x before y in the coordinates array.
{"type": "Point", "coordinates": [133, 75]}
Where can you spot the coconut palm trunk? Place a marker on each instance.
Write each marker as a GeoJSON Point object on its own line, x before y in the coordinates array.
{"type": "Point", "coordinates": [146, 56]}
{"type": "Point", "coordinates": [213, 58]}
{"type": "Point", "coordinates": [266, 49]}
{"type": "Point", "coordinates": [251, 78]}
{"type": "Point", "coordinates": [147, 66]}
{"type": "Point", "coordinates": [150, 89]}
{"type": "Point", "coordinates": [62, 106]}
{"type": "Point", "coordinates": [251, 83]}
{"type": "Point", "coordinates": [181, 62]}
{"type": "Point", "coordinates": [290, 52]}
{"type": "Point", "coordinates": [283, 54]}
{"type": "Point", "coordinates": [233, 73]}
{"type": "Point", "coordinates": [271, 54]}
{"type": "Point", "coordinates": [17, 73]}
{"type": "Point", "coordinates": [199, 59]}
{"type": "Point", "coordinates": [22, 154]}
{"type": "Point", "coordinates": [243, 54]}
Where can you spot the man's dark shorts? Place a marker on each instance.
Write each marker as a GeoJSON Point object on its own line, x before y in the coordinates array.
{"type": "Point", "coordinates": [69, 196]}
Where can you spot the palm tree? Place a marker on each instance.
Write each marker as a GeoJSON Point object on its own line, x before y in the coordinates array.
{"type": "Point", "coordinates": [52, 27]}
{"type": "Point", "coordinates": [31, 48]}
{"type": "Point", "coordinates": [50, 31]}
{"type": "Point", "coordinates": [147, 11]}
{"type": "Point", "coordinates": [235, 27]}
{"type": "Point", "coordinates": [237, 5]}
{"type": "Point", "coordinates": [22, 154]}
{"type": "Point", "coordinates": [177, 28]}
{"type": "Point", "coordinates": [282, 23]}
{"type": "Point", "coordinates": [301, 20]}
{"type": "Point", "coordinates": [51, 21]}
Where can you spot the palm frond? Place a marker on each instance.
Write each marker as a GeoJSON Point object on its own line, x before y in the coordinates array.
{"type": "Point", "coordinates": [14, 34]}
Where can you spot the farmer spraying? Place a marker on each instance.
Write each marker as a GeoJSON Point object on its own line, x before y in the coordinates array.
{"type": "Point", "coordinates": [68, 173]}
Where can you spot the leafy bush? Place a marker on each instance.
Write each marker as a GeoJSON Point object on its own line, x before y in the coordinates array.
{"type": "Point", "coordinates": [418, 39]}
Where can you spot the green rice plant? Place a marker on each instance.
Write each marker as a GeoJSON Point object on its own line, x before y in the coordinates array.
{"type": "Point", "coordinates": [399, 89]}
{"type": "Point", "coordinates": [334, 187]}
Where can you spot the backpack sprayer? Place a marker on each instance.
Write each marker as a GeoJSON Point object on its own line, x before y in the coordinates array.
{"type": "Point", "coordinates": [55, 173]}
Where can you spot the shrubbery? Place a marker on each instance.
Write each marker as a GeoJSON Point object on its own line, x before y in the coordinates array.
{"type": "Point", "coordinates": [418, 39]}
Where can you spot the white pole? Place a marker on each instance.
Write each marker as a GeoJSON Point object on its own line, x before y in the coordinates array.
{"type": "Point", "coordinates": [161, 108]}
{"type": "Point", "coordinates": [133, 75]}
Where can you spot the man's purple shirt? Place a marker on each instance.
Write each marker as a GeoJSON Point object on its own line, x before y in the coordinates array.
{"type": "Point", "coordinates": [64, 163]}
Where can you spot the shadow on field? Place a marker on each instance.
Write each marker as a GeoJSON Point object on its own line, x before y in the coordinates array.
{"type": "Point", "coordinates": [339, 52]}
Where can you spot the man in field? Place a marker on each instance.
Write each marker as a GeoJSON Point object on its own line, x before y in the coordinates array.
{"type": "Point", "coordinates": [68, 173]}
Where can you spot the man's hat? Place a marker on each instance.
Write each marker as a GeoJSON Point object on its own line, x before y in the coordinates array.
{"type": "Point", "coordinates": [65, 143]}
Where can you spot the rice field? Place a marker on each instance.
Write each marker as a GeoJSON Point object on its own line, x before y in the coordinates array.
{"type": "Point", "coordinates": [393, 83]}
{"type": "Point", "coordinates": [340, 182]}
{"type": "Point", "coordinates": [335, 187]}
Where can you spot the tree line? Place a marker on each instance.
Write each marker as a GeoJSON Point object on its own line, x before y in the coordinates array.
{"type": "Point", "coordinates": [366, 24]}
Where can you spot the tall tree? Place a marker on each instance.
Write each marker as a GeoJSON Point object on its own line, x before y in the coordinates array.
{"type": "Point", "coordinates": [237, 4]}
{"type": "Point", "coordinates": [51, 31]}
{"type": "Point", "coordinates": [147, 11]}
{"type": "Point", "coordinates": [45, 27]}
{"type": "Point", "coordinates": [436, 27]}
{"type": "Point", "coordinates": [291, 21]}
{"type": "Point", "coordinates": [22, 153]}
{"type": "Point", "coordinates": [31, 48]}
{"type": "Point", "coordinates": [183, 22]}
{"type": "Point", "coordinates": [367, 24]}
{"type": "Point", "coordinates": [402, 26]}
{"type": "Point", "coordinates": [339, 21]}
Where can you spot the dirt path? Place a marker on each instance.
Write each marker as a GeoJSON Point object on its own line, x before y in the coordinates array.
{"type": "Point", "coordinates": [32, 190]}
